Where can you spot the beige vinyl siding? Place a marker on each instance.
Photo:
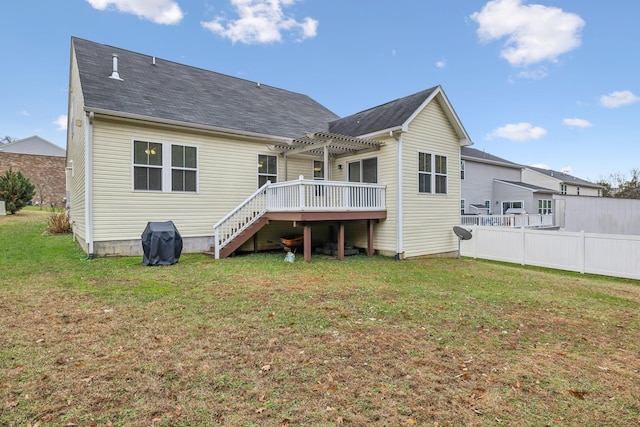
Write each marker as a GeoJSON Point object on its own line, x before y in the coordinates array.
{"type": "Point", "coordinates": [227, 175]}
{"type": "Point", "coordinates": [76, 155]}
{"type": "Point", "coordinates": [385, 230]}
{"type": "Point", "coordinates": [296, 166]}
{"type": "Point", "coordinates": [429, 219]}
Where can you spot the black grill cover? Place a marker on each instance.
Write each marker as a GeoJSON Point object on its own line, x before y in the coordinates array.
{"type": "Point", "coordinates": [161, 243]}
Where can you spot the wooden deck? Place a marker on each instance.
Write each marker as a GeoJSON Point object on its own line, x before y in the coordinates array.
{"type": "Point", "coordinates": [303, 202]}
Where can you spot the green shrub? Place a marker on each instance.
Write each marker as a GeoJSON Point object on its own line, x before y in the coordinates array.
{"type": "Point", "coordinates": [16, 190]}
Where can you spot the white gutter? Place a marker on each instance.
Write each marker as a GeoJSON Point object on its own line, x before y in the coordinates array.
{"type": "Point", "coordinates": [88, 185]}
{"type": "Point", "coordinates": [399, 211]}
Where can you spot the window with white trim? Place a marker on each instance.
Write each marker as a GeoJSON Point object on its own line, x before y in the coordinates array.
{"type": "Point", "coordinates": [461, 169]}
{"type": "Point", "coordinates": [152, 173]}
{"type": "Point", "coordinates": [432, 173]}
{"type": "Point", "coordinates": [318, 169]}
{"type": "Point", "coordinates": [544, 206]}
{"type": "Point", "coordinates": [461, 206]}
{"type": "Point", "coordinates": [365, 170]}
{"type": "Point", "coordinates": [184, 168]}
{"type": "Point", "coordinates": [147, 166]}
{"type": "Point", "coordinates": [563, 188]}
{"type": "Point", "coordinates": [267, 169]}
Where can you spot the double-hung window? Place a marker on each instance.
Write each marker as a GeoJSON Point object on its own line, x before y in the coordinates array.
{"type": "Point", "coordinates": [267, 169]}
{"type": "Point", "coordinates": [184, 168]}
{"type": "Point", "coordinates": [153, 172]}
{"type": "Point", "coordinates": [147, 166]}
{"type": "Point", "coordinates": [544, 207]}
{"type": "Point", "coordinates": [432, 173]}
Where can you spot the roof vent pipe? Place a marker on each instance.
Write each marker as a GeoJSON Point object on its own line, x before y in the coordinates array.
{"type": "Point", "coordinates": [114, 73]}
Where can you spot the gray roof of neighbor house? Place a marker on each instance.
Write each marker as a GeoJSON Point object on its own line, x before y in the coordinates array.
{"type": "Point", "coordinates": [164, 90]}
{"type": "Point", "coordinates": [534, 188]}
{"type": "Point", "coordinates": [564, 177]}
{"type": "Point", "coordinates": [34, 145]}
{"type": "Point", "coordinates": [385, 116]}
{"type": "Point", "coordinates": [484, 157]}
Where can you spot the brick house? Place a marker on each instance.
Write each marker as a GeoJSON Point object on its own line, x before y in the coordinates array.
{"type": "Point", "coordinates": [42, 162]}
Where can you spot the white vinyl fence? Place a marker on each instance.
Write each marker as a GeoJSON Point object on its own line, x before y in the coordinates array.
{"type": "Point", "coordinates": [606, 254]}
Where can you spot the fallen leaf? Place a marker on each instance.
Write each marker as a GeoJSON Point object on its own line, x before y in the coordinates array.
{"type": "Point", "coordinates": [266, 368]}
{"type": "Point", "coordinates": [286, 422]}
{"type": "Point", "coordinates": [411, 421]}
{"type": "Point", "coordinates": [260, 410]}
{"type": "Point", "coordinates": [517, 383]}
{"type": "Point", "coordinates": [339, 420]}
{"type": "Point", "coordinates": [579, 395]}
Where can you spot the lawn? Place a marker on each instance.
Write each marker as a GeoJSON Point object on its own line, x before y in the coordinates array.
{"type": "Point", "coordinates": [256, 341]}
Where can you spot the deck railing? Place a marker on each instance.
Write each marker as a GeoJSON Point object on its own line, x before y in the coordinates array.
{"type": "Point", "coordinates": [512, 220]}
{"type": "Point", "coordinates": [315, 195]}
{"type": "Point", "coordinates": [298, 196]}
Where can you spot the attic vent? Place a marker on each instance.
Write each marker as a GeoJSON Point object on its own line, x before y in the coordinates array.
{"type": "Point", "coordinates": [258, 84]}
{"type": "Point", "coordinates": [114, 74]}
{"type": "Point", "coordinates": [153, 61]}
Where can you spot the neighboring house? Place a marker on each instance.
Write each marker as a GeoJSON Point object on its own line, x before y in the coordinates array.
{"type": "Point", "coordinates": [520, 197]}
{"type": "Point", "coordinates": [479, 170]}
{"type": "Point", "coordinates": [222, 157]}
{"type": "Point", "coordinates": [495, 186]}
{"type": "Point", "coordinates": [34, 145]}
{"type": "Point", "coordinates": [42, 162]}
{"type": "Point", "coordinates": [560, 182]}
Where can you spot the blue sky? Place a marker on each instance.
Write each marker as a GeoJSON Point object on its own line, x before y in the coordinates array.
{"type": "Point", "coordinates": [545, 82]}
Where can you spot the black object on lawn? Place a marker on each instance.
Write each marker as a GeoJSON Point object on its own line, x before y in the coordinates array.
{"type": "Point", "coordinates": [161, 243]}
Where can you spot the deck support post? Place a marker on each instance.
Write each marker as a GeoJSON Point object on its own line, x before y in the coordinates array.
{"type": "Point", "coordinates": [370, 238]}
{"type": "Point", "coordinates": [307, 242]}
{"type": "Point", "coordinates": [340, 240]}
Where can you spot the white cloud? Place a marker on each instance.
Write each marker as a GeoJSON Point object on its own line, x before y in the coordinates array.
{"type": "Point", "coordinates": [618, 99]}
{"type": "Point", "coordinates": [261, 21]}
{"type": "Point", "coordinates": [158, 11]}
{"type": "Point", "coordinates": [537, 74]}
{"type": "Point", "coordinates": [518, 132]}
{"type": "Point", "coordinates": [578, 123]}
{"type": "Point", "coordinates": [24, 113]}
{"type": "Point", "coordinates": [441, 64]}
{"type": "Point", "coordinates": [534, 32]}
{"type": "Point", "coordinates": [61, 122]}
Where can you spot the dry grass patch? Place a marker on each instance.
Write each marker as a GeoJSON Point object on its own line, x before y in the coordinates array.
{"type": "Point", "coordinates": [254, 341]}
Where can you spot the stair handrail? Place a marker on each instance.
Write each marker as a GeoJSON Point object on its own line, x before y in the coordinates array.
{"type": "Point", "coordinates": [256, 214]}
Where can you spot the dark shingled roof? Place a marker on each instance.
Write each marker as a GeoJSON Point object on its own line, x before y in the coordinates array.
{"type": "Point", "coordinates": [385, 116]}
{"type": "Point", "coordinates": [468, 152]}
{"type": "Point", "coordinates": [172, 91]}
{"type": "Point", "coordinates": [563, 177]}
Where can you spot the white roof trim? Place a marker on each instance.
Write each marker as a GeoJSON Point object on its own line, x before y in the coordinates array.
{"type": "Point", "coordinates": [465, 139]}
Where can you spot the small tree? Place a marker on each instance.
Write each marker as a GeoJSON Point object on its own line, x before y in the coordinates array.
{"type": "Point", "coordinates": [16, 190]}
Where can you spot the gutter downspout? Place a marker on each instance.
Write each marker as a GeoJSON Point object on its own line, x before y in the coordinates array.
{"type": "Point", "coordinates": [88, 185]}
{"type": "Point", "coordinates": [397, 135]}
